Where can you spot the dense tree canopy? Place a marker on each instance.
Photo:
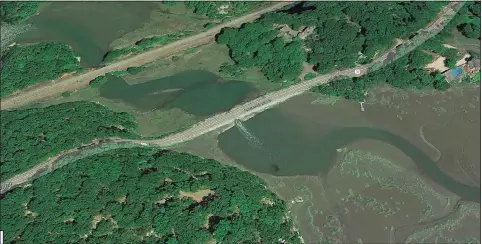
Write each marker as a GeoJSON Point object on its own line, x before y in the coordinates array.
{"type": "Point", "coordinates": [255, 45]}
{"type": "Point", "coordinates": [143, 195]}
{"type": "Point", "coordinates": [406, 72]}
{"type": "Point", "coordinates": [32, 135]}
{"type": "Point", "coordinates": [24, 66]}
{"type": "Point", "coordinates": [15, 12]}
{"type": "Point", "coordinates": [470, 25]}
{"type": "Point", "coordinates": [346, 33]}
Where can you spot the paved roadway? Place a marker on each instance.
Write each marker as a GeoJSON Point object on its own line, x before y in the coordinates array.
{"type": "Point", "coordinates": [248, 109]}
{"type": "Point", "coordinates": [57, 87]}
{"type": "Point", "coordinates": [251, 108]}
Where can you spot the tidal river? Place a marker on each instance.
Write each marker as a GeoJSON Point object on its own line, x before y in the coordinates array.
{"type": "Point", "coordinates": [289, 152]}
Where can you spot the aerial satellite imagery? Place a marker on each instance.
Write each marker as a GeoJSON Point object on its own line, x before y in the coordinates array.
{"type": "Point", "coordinates": [253, 122]}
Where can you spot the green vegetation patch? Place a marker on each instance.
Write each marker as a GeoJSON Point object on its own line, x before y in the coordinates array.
{"type": "Point", "coordinates": [407, 71]}
{"type": "Point", "coordinates": [16, 12]}
{"type": "Point", "coordinates": [98, 81]}
{"type": "Point", "coordinates": [143, 195]}
{"type": "Point", "coordinates": [257, 45]}
{"type": "Point", "coordinates": [135, 70]}
{"type": "Point", "coordinates": [231, 70]}
{"type": "Point", "coordinates": [329, 35]}
{"type": "Point", "coordinates": [32, 135]}
{"type": "Point", "coordinates": [143, 45]}
{"type": "Point", "coordinates": [467, 21]}
{"type": "Point", "coordinates": [29, 65]}
{"type": "Point", "coordinates": [309, 76]}
{"type": "Point", "coordinates": [66, 94]}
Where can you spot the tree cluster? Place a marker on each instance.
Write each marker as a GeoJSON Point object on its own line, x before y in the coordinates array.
{"type": "Point", "coordinates": [32, 135]}
{"type": "Point", "coordinates": [16, 12]}
{"type": "Point", "coordinates": [469, 20]}
{"type": "Point", "coordinates": [406, 72]}
{"type": "Point", "coordinates": [346, 33]}
{"type": "Point", "coordinates": [24, 66]}
{"type": "Point", "coordinates": [257, 45]}
{"type": "Point", "coordinates": [145, 195]}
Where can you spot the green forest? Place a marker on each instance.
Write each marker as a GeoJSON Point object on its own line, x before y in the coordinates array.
{"type": "Point", "coordinates": [30, 136]}
{"type": "Point", "coordinates": [467, 20]}
{"type": "Point", "coordinates": [145, 195]}
{"type": "Point", "coordinates": [24, 66]}
{"type": "Point", "coordinates": [16, 12]}
{"type": "Point", "coordinates": [407, 71]}
{"type": "Point", "coordinates": [347, 33]}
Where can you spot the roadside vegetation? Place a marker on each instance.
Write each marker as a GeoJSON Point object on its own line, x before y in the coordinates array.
{"type": "Point", "coordinates": [30, 136]}
{"type": "Point", "coordinates": [144, 195]}
{"type": "Point", "coordinates": [341, 35]}
{"type": "Point", "coordinates": [143, 45]}
{"type": "Point", "coordinates": [24, 66]}
{"type": "Point", "coordinates": [408, 71]}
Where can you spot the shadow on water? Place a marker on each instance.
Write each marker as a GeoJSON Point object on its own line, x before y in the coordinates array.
{"type": "Point", "coordinates": [317, 154]}
{"type": "Point", "coordinates": [88, 27]}
{"type": "Point", "coordinates": [197, 92]}
{"type": "Point", "coordinates": [298, 8]}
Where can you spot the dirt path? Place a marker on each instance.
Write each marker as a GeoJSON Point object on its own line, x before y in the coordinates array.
{"type": "Point", "coordinates": [57, 87]}
{"type": "Point", "coordinates": [249, 109]}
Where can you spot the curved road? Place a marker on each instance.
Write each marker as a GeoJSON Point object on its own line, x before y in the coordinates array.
{"type": "Point", "coordinates": [249, 109]}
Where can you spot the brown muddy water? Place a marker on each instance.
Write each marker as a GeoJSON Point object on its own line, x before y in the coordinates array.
{"type": "Point", "coordinates": [88, 27]}
{"type": "Point", "coordinates": [388, 189]}
{"type": "Point", "coordinates": [300, 138]}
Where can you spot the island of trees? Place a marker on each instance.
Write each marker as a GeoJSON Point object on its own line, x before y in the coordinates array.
{"type": "Point", "coordinates": [145, 195]}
